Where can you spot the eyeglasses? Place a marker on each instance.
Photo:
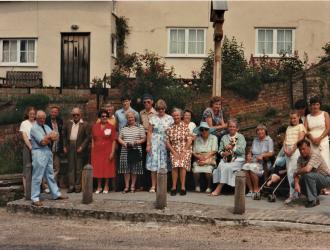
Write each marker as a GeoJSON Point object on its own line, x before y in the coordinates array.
{"type": "Point", "coordinates": [104, 116]}
{"type": "Point", "coordinates": [203, 129]}
{"type": "Point", "coordinates": [147, 102]}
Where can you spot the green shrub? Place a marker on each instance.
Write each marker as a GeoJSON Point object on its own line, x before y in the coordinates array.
{"type": "Point", "coordinates": [11, 117]}
{"type": "Point", "coordinates": [39, 101]}
{"type": "Point", "coordinates": [11, 156]}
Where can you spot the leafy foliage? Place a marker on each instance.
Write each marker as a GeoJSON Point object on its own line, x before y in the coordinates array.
{"type": "Point", "coordinates": [326, 49]}
{"type": "Point", "coordinates": [122, 30]}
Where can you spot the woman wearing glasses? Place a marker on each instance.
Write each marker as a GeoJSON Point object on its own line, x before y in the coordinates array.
{"type": "Point", "coordinates": [103, 151]}
{"type": "Point", "coordinates": [156, 142]}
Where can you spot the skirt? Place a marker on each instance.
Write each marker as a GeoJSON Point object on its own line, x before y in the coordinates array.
{"type": "Point", "coordinates": [226, 171]}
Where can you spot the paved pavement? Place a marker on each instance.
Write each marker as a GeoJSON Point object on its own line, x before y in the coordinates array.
{"type": "Point", "coordinates": [196, 208]}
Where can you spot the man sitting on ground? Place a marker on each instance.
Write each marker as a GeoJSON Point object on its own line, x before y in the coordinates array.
{"type": "Point", "coordinates": [313, 172]}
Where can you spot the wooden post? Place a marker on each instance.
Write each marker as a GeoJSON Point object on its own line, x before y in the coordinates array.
{"type": "Point", "coordinates": [87, 184]}
{"type": "Point", "coordinates": [239, 207]}
{"type": "Point", "coordinates": [161, 195]}
{"type": "Point", "coordinates": [28, 181]}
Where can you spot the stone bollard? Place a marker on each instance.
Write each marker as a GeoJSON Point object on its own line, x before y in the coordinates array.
{"type": "Point", "coordinates": [28, 181]}
{"type": "Point", "coordinates": [161, 195]}
{"type": "Point", "coordinates": [87, 184]}
{"type": "Point", "coordinates": [239, 207]}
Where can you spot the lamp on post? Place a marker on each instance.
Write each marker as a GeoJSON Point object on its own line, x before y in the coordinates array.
{"type": "Point", "coordinates": [218, 9]}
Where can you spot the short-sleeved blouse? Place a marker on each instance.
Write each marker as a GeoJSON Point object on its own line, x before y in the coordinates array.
{"type": "Point", "coordinates": [216, 119]}
{"type": "Point", "coordinates": [262, 146]}
{"type": "Point", "coordinates": [26, 128]}
{"type": "Point", "coordinates": [292, 134]}
{"type": "Point", "coordinates": [210, 145]}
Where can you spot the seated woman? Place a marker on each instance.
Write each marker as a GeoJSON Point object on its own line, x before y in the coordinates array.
{"type": "Point", "coordinates": [262, 150]}
{"type": "Point", "coordinates": [204, 152]}
{"type": "Point", "coordinates": [232, 150]}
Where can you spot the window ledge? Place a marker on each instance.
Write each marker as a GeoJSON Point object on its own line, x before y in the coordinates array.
{"type": "Point", "coordinates": [18, 65]}
{"type": "Point", "coordinates": [187, 56]}
{"type": "Point", "coordinates": [271, 56]}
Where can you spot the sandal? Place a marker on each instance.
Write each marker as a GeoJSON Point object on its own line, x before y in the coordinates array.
{"type": "Point", "coordinates": [125, 191]}
{"type": "Point", "coordinates": [152, 190]}
{"type": "Point", "coordinates": [132, 189]}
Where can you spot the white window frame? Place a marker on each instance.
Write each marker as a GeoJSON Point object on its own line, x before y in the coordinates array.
{"type": "Point", "coordinates": [186, 54]}
{"type": "Point", "coordinates": [274, 54]}
{"type": "Point", "coordinates": [18, 63]}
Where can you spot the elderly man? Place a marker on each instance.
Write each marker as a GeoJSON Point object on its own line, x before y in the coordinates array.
{"type": "Point", "coordinates": [313, 172]}
{"type": "Point", "coordinates": [42, 159]}
{"type": "Point", "coordinates": [76, 138]}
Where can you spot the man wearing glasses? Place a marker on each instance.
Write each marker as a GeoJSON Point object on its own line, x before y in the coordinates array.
{"type": "Point", "coordinates": [76, 137]}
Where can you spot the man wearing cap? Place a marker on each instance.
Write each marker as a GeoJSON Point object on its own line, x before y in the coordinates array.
{"type": "Point", "coordinates": [146, 114]}
{"type": "Point", "coordinates": [121, 113]}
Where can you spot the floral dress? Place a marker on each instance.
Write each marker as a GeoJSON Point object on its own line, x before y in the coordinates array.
{"type": "Point", "coordinates": [157, 158]}
{"type": "Point", "coordinates": [178, 136]}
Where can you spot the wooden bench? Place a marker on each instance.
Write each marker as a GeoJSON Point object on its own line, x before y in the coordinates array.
{"type": "Point", "coordinates": [22, 79]}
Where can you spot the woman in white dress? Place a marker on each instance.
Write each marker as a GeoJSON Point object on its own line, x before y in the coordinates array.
{"type": "Point", "coordinates": [317, 126]}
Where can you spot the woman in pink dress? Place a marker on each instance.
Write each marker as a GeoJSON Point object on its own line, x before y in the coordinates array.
{"type": "Point", "coordinates": [103, 151]}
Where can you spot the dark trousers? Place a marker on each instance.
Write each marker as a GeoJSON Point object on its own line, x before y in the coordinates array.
{"type": "Point", "coordinates": [312, 183]}
{"type": "Point", "coordinates": [75, 166]}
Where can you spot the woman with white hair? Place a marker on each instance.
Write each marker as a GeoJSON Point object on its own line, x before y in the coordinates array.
{"type": "Point", "coordinates": [232, 150]}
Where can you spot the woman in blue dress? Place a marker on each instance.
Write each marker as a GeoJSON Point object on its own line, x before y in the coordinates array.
{"type": "Point", "coordinates": [156, 142]}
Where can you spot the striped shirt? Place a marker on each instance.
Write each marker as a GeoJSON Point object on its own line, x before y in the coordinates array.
{"type": "Point", "coordinates": [130, 134]}
{"type": "Point", "coordinates": [316, 162]}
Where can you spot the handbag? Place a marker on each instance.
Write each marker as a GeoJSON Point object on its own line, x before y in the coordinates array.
{"type": "Point", "coordinates": [209, 161]}
{"type": "Point", "coordinates": [133, 155]}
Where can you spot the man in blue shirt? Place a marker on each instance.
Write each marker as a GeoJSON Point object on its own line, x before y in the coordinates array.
{"type": "Point", "coordinates": [42, 159]}
{"type": "Point", "coordinates": [121, 113]}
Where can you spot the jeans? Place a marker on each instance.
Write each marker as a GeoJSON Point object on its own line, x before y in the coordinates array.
{"type": "Point", "coordinates": [42, 162]}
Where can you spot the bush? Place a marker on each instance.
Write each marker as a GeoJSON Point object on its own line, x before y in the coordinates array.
{"type": "Point", "coordinates": [14, 116]}
{"type": "Point", "coordinates": [39, 101]}
{"type": "Point", "coordinates": [326, 49]}
{"type": "Point", "coordinates": [11, 156]}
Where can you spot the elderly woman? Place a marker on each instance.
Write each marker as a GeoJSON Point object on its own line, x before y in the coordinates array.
{"type": "Point", "coordinates": [317, 126]}
{"type": "Point", "coordinates": [213, 115]}
{"type": "Point", "coordinates": [25, 128]}
{"type": "Point", "coordinates": [262, 150]}
{"type": "Point", "coordinates": [187, 115]}
{"type": "Point", "coordinates": [156, 142]}
{"type": "Point", "coordinates": [131, 137]}
{"type": "Point", "coordinates": [232, 150]}
{"type": "Point", "coordinates": [204, 152]}
{"type": "Point", "coordinates": [179, 143]}
{"type": "Point", "coordinates": [103, 151]}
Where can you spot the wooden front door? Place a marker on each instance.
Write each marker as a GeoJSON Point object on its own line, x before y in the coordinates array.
{"type": "Point", "coordinates": [75, 60]}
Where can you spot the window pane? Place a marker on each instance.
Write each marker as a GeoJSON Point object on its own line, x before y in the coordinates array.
{"type": "Point", "coordinates": [261, 35]}
{"type": "Point", "coordinates": [192, 35]}
{"type": "Point", "coordinates": [181, 41]}
{"type": "Point", "coordinates": [288, 36]}
{"type": "Point", "coordinates": [23, 45]}
{"type": "Point", "coordinates": [280, 47]}
{"type": "Point", "coordinates": [269, 48]}
{"type": "Point", "coordinates": [31, 45]}
{"type": "Point", "coordinates": [269, 35]}
{"type": "Point", "coordinates": [289, 48]}
{"type": "Point", "coordinates": [30, 57]}
{"type": "Point", "coordinates": [200, 48]}
{"type": "Point", "coordinates": [23, 58]}
{"type": "Point", "coordinates": [13, 50]}
{"type": "Point", "coordinates": [181, 46]}
{"type": "Point", "coordinates": [280, 35]}
{"type": "Point", "coordinates": [191, 47]}
{"type": "Point", "coordinates": [173, 35]}
{"type": "Point", "coordinates": [5, 56]}
{"type": "Point", "coordinates": [200, 35]}
{"type": "Point", "coordinates": [5, 45]}
{"type": "Point", "coordinates": [173, 43]}
{"type": "Point", "coordinates": [181, 35]}
{"type": "Point", "coordinates": [261, 48]}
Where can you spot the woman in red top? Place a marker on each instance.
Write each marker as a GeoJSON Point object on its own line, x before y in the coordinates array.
{"type": "Point", "coordinates": [103, 151]}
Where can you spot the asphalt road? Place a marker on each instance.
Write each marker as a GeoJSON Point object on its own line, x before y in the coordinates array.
{"type": "Point", "coordinates": [25, 231]}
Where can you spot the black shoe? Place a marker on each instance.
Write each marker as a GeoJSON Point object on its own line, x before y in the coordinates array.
{"type": "Point", "coordinates": [313, 203]}
{"type": "Point", "coordinates": [173, 192]}
{"type": "Point", "coordinates": [183, 192]}
{"type": "Point", "coordinates": [70, 190]}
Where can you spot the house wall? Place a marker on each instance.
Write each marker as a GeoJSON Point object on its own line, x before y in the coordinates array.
{"type": "Point", "coordinates": [149, 21]}
{"type": "Point", "coordinates": [46, 21]}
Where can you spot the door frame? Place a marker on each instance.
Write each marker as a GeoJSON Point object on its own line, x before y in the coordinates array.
{"type": "Point", "coordinates": [62, 54]}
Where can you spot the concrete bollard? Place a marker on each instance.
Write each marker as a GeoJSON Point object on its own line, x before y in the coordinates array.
{"type": "Point", "coordinates": [28, 181]}
{"type": "Point", "coordinates": [239, 207]}
{"type": "Point", "coordinates": [161, 195]}
{"type": "Point", "coordinates": [87, 184]}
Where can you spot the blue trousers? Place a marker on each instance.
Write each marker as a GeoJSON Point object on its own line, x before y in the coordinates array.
{"type": "Point", "coordinates": [42, 166]}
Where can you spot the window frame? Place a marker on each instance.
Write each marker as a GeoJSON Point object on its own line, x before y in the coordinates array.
{"type": "Point", "coordinates": [186, 42]}
{"type": "Point", "coordinates": [274, 54]}
{"type": "Point", "coordinates": [18, 63]}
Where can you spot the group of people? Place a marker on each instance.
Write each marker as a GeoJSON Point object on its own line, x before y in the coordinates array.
{"type": "Point", "coordinates": [130, 143]}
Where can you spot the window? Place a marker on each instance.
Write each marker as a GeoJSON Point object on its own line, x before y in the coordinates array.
{"type": "Point", "coordinates": [114, 46]}
{"type": "Point", "coordinates": [18, 52]}
{"type": "Point", "coordinates": [186, 42]}
{"type": "Point", "coordinates": [274, 42]}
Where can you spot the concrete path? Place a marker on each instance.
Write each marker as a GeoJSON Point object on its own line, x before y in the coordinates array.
{"type": "Point", "coordinates": [192, 208]}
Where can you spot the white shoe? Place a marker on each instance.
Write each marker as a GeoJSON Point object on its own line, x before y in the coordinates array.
{"type": "Point", "coordinates": [197, 189]}
{"type": "Point", "coordinates": [47, 191]}
{"type": "Point", "coordinates": [98, 191]}
{"type": "Point", "coordinates": [208, 190]}
{"type": "Point", "coordinates": [249, 194]}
